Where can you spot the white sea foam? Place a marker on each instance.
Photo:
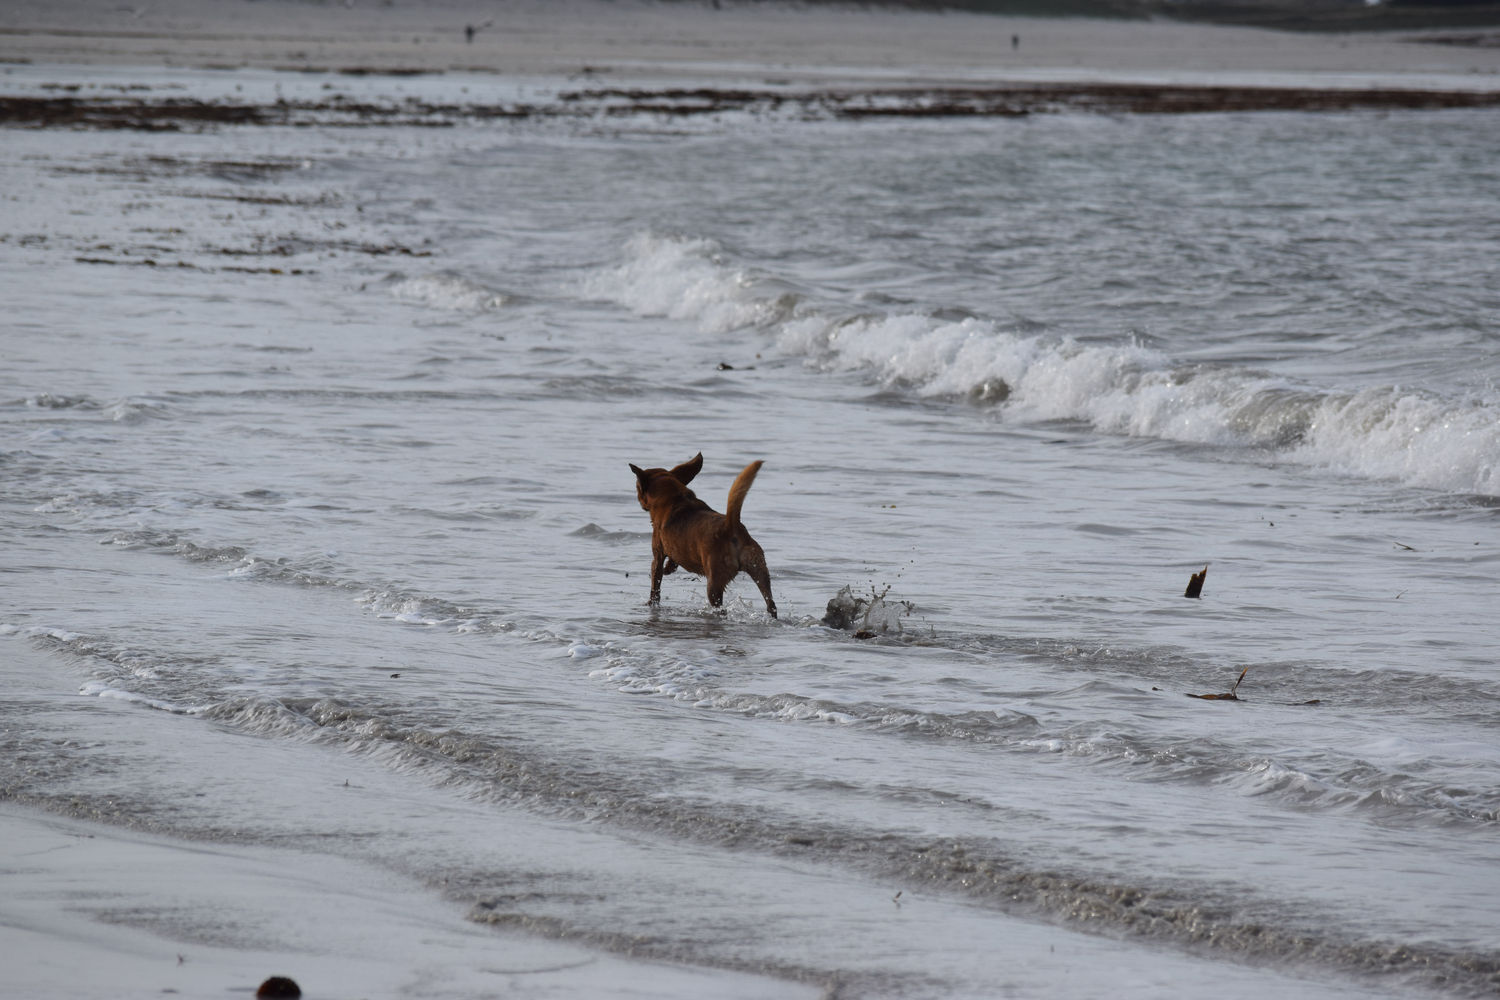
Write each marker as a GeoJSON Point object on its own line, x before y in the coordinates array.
{"type": "Point", "coordinates": [100, 689]}
{"type": "Point", "coordinates": [134, 410]}
{"type": "Point", "coordinates": [1409, 435]}
{"type": "Point", "coordinates": [686, 279]}
{"type": "Point", "coordinates": [445, 290]}
{"type": "Point", "coordinates": [61, 635]}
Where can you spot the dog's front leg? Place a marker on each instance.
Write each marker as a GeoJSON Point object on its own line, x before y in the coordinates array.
{"type": "Point", "coordinates": [716, 592]}
{"type": "Point", "coordinates": [658, 568]}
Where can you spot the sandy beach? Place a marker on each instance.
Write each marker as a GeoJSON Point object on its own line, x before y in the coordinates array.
{"type": "Point", "coordinates": [737, 42]}
{"type": "Point", "coordinates": [101, 905]}
{"type": "Point", "coordinates": [97, 911]}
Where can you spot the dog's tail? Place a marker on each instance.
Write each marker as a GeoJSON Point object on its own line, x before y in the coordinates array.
{"type": "Point", "coordinates": [737, 494]}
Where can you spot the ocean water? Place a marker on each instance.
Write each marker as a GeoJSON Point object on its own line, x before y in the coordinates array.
{"type": "Point", "coordinates": [313, 464]}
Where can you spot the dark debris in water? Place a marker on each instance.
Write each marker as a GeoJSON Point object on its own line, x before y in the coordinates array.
{"type": "Point", "coordinates": [153, 262]}
{"type": "Point", "coordinates": [999, 100]}
{"type": "Point", "coordinates": [156, 255]}
{"type": "Point", "coordinates": [278, 988]}
{"type": "Point", "coordinates": [1231, 695]}
{"type": "Point", "coordinates": [1016, 99]}
{"type": "Point", "coordinates": [1195, 583]}
{"type": "Point", "coordinates": [867, 617]}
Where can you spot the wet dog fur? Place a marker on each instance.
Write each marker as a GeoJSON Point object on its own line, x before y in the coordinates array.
{"type": "Point", "coordinates": [686, 532]}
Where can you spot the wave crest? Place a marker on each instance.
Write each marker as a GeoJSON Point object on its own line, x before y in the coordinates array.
{"type": "Point", "coordinates": [690, 279]}
{"type": "Point", "coordinates": [445, 290]}
{"type": "Point", "coordinates": [1388, 432]}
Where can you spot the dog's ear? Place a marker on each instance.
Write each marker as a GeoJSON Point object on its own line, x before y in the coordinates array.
{"type": "Point", "coordinates": [642, 490]}
{"type": "Point", "coordinates": [685, 472]}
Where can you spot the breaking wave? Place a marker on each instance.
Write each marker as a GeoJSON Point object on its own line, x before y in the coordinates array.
{"type": "Point", "coordinates": [1388, 432]}
{"type": "Point", "coordinates": [445, 290]}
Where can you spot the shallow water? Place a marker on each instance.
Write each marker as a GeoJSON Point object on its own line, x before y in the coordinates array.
{"type": "Point", "coordinates": [315, 446]}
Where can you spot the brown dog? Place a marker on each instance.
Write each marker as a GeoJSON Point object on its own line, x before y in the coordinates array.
{"type": "Point", "coordinates": [686, 532]}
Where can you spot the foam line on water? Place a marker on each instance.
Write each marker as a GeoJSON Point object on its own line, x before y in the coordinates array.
{"type": "Point", "coordinates": [1408, 434]}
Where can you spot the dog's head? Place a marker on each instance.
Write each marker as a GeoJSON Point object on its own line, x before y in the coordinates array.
{"type": "Point", "coordinates": [650, 482]}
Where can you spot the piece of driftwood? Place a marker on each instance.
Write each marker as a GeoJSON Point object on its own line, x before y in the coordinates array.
{"type": "Point", "coordinates": [1195, 584]}
{"type": "Point", "coordinates": [1229, 695]}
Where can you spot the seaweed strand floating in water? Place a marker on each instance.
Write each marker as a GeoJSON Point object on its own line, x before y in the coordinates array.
{"type": "Point", "coordinates": [1231, 695]}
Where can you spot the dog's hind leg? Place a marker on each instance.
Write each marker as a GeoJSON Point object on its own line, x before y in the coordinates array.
{"type": "Point", "coordinates": [753, 562]}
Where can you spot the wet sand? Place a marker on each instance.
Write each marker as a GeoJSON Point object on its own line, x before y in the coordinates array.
{"type": "Point", "coordinates": [97, 911]}
{"type": "Point", "coordinates": [98, 903]}
{"type": "Point", "coordinates": [741, 42]}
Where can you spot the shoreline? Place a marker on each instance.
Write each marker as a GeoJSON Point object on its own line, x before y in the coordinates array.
{"type": "Point", "coordinates": [101, 911]}
{"type": "Point", "coordinates": [812, 45]}
{"type": "Point", "coordinates": [117, 887]}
